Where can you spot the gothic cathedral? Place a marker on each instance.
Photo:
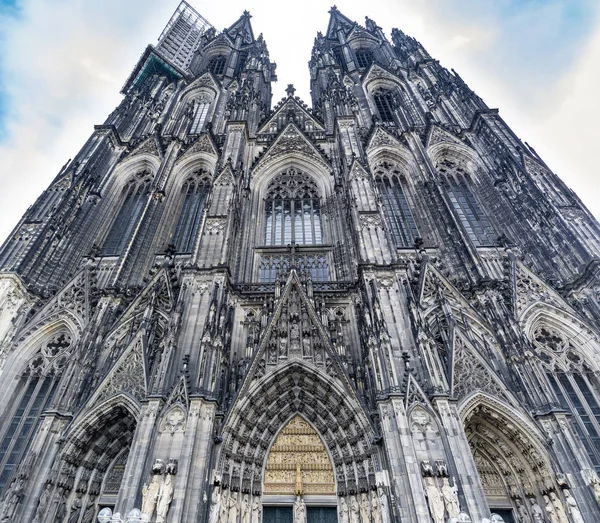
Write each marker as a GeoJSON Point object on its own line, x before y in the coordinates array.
{"type": "Point", "coordinates": [382, 307]}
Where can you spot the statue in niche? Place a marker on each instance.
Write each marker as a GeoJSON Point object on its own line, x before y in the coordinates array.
{"type": "Point", "coordinates": [450, 495]}
{"type": "Point", "coordinates": [215, 505]}
{"type": "Point", "coordinates": [375, 508]}
{"type": "Point", "coordinates": [435, 500]}
{"type": "Point", "coordinates": [150, 496]}
{"type": "Point", "coordinates": [573, 508]}
{"type": "Point", "coordinates": [165, 497]}
{"type": "Point", "coordinates": [299, 511]}
{"type": "Point", "coordinates": [61, 505]}
{"type": "Point", "coordinates": [595, 484]}
{"type": "Point", "coordinates": [232, 505]}
{"type": "Point", "coordinates": [365, 509]}
{"type": "Point", "coordinates": [246, 511]}
{"type": "Point", "coordinates": [536, 510]}
{"type": "Point", "coordinates": [43, 504]}
{"type": "Point", "coordinates": [224, 510]}
{"type": "Point", "coordinates": [256, 510]}
{"type": "Point", "coordinates": [354, 510]}
{"type": "Point", "coordinates": [384, 509]}
{"type": "Point", "coordinates": [522, 511]}
{"type": "Point", "coordinates": [12, 499]}
{"type": "Point", "coordinates": [75, 509]}
{"type": "Point", "coordinates": [89, 516]}
{"type": "Point", "coordinates": [550, 512]}
{"type": "Point", "coordinates": [559, 508]}
{"type": "Point", "coordinates": [344, 516]}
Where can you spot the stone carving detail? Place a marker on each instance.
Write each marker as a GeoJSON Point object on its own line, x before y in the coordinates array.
{"type": "Point", "coordinates": [381, 138]}
{"type": "Point", "coordinates": [129, 376]}
{"type": "Point", "coordinates": [435, 500]}
{"type": "Point", "coordinates": [174, 421]}
{"type": "Point", "coordinates": [215, 226]}
{"type": "Point", "coordinates": [450, 494]}
{"type": "Point", "coordinates": [150, 496]}
{"type": "Point", "coordinates": [298, 462]}
{"type": "Point", "coordinates": [299, 510]}
{"type": "Point", "coordinates": [573, 508]}
{"type": "Point", "coordinates": [368, 221]}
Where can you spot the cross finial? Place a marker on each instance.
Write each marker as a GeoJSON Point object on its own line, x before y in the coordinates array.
{"type": "Point", "coordinates": [290, 90]}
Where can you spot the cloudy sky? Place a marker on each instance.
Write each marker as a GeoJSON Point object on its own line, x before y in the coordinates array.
{"type": "Point", "coordinates": [63, 62]}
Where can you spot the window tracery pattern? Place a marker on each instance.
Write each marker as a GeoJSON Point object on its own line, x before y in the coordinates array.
{"type": "Point", "coordinates": [196, 191]}
{"type": "Point", "coordinates": [217, 65]}
{"type": "Point", "coordinates": [135, 196]}
{"type": "Point", "coordinates": [385, 104]}
{"type": "Point", "coordinates": [315, 265]}
{"type": "Point", "coordinates": [33, 395]}
{"type": "Point", "coordinates": [574, 385]}
{"type": "Point", "coordinates": [395, 205]}
{"type": "Point", "coordinates": [293, 210]}
{"type": "Point", "coordinates": [458, 188]}
{"type": "Point", "coordinates": [201, 107]}
{"type": "Point", "coordinates": [364, 58]}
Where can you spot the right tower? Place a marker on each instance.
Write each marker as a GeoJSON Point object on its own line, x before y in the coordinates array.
{"type": "Point", "coordinates": [469, 246]}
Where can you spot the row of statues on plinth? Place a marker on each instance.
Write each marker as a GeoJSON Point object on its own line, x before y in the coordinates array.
{"type": "Point", "coordinates": [554, 510]}
{"type": "Point", "coordinates": [226, 507]}
{"type": "Point", "coordinates": [157, 496]}
{"type": "Point", "coordinates": [363, 509]}
{"type": "Point", "coordinates": [442, 497]}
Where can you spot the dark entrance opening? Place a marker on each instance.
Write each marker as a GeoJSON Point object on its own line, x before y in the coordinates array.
{"type": "Point", "coordinates": [506, 513]}
{"type": "Point", "coordinates": [278, 515]}
{"type": "Point", "coordinates": [321, 515]}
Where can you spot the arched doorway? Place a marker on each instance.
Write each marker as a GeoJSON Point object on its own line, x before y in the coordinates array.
{"type": "Point", "coordinates": [299, 476]}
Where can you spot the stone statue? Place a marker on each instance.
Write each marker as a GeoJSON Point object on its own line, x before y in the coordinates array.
{"type": "Point", "coordinates": [450, 495]}
{"type": "Point", "coordinates": [256, 510]}
{"type": "Point", "coordinates": [299, 511]}
{"type": "Point", "coordinates": [573, 508]}
{"type": "Point", "coordinates": [344, 518]}
{"type": "Point", "coordinates": [595, 484]}
{"type": "Point", "coordinates": [89, 516]}
{"type": "Point", "coordinates": [215, 505]}
{"type": "Point", "coordinates": [223, 512]}
{"type": "Point", "coordinates": [246, 511]}
{"type": "Point", "coordinates": [550, 512]}
{"type": "Point", "coordinates": [11, 499]}
{"type": "Point", "coordinates": [232, 506]}
{"type": "Point", "coordinates": [365, 509]}
{"type": "Point", "coordinates": [354, 510]}
{"type": "Point", "coordinates": [383, 506]}
{"type": "Point", "coordinates": [522, 511]}
{"type": "Point", "coordinates": [150, 496]}
{"type": "Point", "coordinates": [75, 509]}
{"type": "Point", "coordinates": [536, 510]}
{"type": "Point", "coordinates": [435, 500]}
{"type": "Point", "coordinates": [375, 508]}
{"type": "Point", "coordinates": [165, 496]}
{"type": "Point", "coordinates": [43, 504]}
{"type": "Point", "coordinates": [61, 505]}
{"type": "Point", "coordinates": [559, 508]}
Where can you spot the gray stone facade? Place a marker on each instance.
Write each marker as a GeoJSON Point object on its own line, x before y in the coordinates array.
{"type": "Point", "coordinates": [391, 266]}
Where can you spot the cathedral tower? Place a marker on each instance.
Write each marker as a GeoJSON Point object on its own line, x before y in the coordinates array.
{"type": "Point", "coordinates": [381, 307]}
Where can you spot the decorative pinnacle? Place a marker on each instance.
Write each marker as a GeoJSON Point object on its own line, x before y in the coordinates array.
{"type": "Point", "coordinates": [290, 90]}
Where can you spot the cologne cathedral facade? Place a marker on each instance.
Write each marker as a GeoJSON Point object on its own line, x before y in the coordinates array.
{"type": "Point", "coordinates": [379, 307]}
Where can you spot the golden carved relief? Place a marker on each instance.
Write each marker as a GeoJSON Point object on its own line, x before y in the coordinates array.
{"type": "Point", "coordinates": [298, 462]}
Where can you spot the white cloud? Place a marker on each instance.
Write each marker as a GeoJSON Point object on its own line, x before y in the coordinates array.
{"type": "Point", "coordinates": [64, 63]}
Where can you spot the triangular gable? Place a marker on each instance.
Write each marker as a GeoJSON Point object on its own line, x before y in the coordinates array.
{"type": "Point", "coordinates": [179, 394]}
{"type": "Point", "coordinates": [292, 140]}
{"type": "Point", "coordinates": [203, 144]}
{"type": "Point", "coordinates": [415, 395]}
{"type": "Point", "coordinates": [206, 80]}
{"type": "Point", "coordinates": [226, 177]}
{"type": "Point", "coordinates": [295, 334]}
{"type": "Point", "coordinates": [359, 32]}
{"type": "Point", "coordinates": [529, 289]}
{"type": "Point", "coordinates": [220, 39]}
{"type": "Point", "coordinates": [338, 21]}
{"type": "Point", "coordinates": [242, 27]}
{"type": "Point", "coordinates": [381, 138]}
{"type": "Point", "coordinates": [437, 135]}
{"type": "Point", "coordinates": [357, 170]}
{"type": "Point", "coordinates": [291, 103]}
{"type": "Point", "coordinates": [161, 285]}
{"type": "Point", "coordinates": [148, 146]}
{"type": "Point", "coordinates": [376, 72]}
{"type": "Point", "coordinates": [128, 374]}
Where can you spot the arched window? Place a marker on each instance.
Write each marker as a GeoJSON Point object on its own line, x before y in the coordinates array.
{"type": "Point", "coordinates": [293, 211]}
{"type": "Point", "coordinates": [397, 212]}
{"type": "Point", "coordinates": [136, 195]}
{"type": "Point", "coordinates": [384, 102]}
{"type": "Point", "coordinates": [574, 384]}
{"type": "Point", "coordinates": [217, 65]}
{"type": "Point", "coordinates": [201, 107]}
{"type": "Point", "coordinates": [195, 190]}
{"type": "Point", "coordinates": [364, 58]}
{"type": "Point", "coordinates": [33, 395]}
{"type": "Point", "coordinates": [474, 221]}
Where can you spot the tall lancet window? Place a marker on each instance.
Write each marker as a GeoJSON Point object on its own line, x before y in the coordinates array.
{"type": "Point", "coordinates": [384, 102]}
{"type": "Point", "coordinates": [135, 198]}
{"type": "Point", "coordinates": [395, 205]}
{"type": "Point", "coordinates": [293, 210]}
{"type": "Point", "coordinates": [33, 395]}
{"type": "Point", "coordinates": [468, 211]}
{"type": "Point", "coordinates": [201, 108]}
{"type": "Point", "coordinates": [195, 192]}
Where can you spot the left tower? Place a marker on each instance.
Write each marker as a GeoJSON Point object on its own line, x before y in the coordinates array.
{"type": "Point", "coordinates": [111, 278]}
